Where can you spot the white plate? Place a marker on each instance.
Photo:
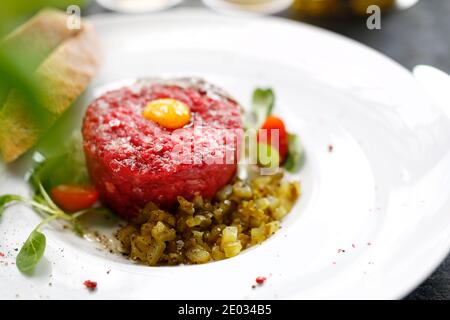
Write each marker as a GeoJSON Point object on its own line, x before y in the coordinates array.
{"type": "Point", "coordinates": [261, 7]}
{"type": "Point", "coordinates": [385, 183]}
{"type": "Point", "coordinates": [138, 6]}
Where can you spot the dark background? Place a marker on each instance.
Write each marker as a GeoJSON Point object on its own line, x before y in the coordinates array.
{"type": "Point", "coordinates": [419, 35]}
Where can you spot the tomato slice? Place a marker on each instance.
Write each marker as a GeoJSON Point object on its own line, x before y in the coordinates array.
{"type": "Point", "coordinates": [74, 198]}
{"type": "Point", "coordinates": [273, 122]}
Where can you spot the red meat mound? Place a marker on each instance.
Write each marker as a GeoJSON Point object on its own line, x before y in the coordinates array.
{"type": "Point", "coordinates": [133, 161]}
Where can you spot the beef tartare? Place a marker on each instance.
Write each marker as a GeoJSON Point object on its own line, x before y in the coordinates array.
{"type": "Point", "coordinates": [134, 159]}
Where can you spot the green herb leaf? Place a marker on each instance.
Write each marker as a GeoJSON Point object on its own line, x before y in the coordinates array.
{"type": "Point", "coordinates": [262, 104]}
{"type": "Point", "coordinates": [45, 172]}
{"type": "Point", "coordinates": [47, 198]}
{"type": "Point", "coordinates": [78, 228]}
{"type": "Point", "coordinates": [99, 210]}
{"type": "Point", "coordinates": [8, 198]}
{"type": "Point", "coordinates": [39, 199]}
{"type": "Point", "coordinates": [295, 156]}
{"type": "Point", "coordinates": [31, 252]}
{"type": "Point", "coordinates": [68, 166]}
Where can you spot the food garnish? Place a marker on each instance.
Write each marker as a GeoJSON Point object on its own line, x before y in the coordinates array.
{"type": "Point", "coordinates": [66, 167]}
{"type": "Point", "coordinates": [5, 199]}
{"type": "Point", "coordinates": [31, 252]}
{"type": "Point", "coordinates": [133, 160]}
{"type": "Point", "coordinates": [169, 113]}
{"type": "Point", "coordinates": [273, 125]}
{"type": "Point", "coordinates": [72, 198]}
{"type": "Point", "coordinates": [260, 280]}
{"type": "Point", "coordinates": [203, 227]}
{"type": "Point", "coordinates": [243, 214]}
{"type": "Point", "coordinates": [288, 144]}
{"type": "Point", "coordinates": [268, 156]}
{"type": "Point", "coordinates": [262, 104]}
{"type": "Point", "coordinates": [91, 285]}
{"type": "Point", "coordinates": [34, 247]}
{"type": "Point", "coordinates": [295, 155]}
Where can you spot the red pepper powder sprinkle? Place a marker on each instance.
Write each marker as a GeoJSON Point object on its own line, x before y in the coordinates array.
{"type": "Point", "coordinates": [91, 285]}
{"type": "Point", "coordinates": [260, 280]}
{"type": "Point", "coordinates": [2, 254]}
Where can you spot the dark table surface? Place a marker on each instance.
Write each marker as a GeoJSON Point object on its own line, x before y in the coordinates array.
{"type": "Point", "coordinates": [419, 35]}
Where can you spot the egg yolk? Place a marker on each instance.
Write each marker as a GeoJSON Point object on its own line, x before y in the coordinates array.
{"type": "Point", "coordinates": [169, 113]}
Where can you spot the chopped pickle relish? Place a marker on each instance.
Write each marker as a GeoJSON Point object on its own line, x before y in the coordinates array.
{"type": "Point", "coordinates": [243, 214]}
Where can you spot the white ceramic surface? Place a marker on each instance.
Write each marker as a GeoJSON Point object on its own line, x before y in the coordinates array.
{"type": "Point", "coordinates": [382, 194]}
{"type": "Point", "coordinates": [138, 6]}
{"type": "Point", "coordinates": [248, 8]}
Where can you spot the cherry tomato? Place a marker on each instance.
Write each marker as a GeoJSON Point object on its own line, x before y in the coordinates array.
{"type": "Point", "coordinates": [74, 198]}
{"type": "Point", "coordinates": [273, 122]}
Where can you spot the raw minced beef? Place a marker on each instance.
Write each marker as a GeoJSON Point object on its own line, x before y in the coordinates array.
{"type": "Point", "coordinates": [133, 161]}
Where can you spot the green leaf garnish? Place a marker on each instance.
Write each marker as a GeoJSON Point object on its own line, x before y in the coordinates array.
{"type": "Point", "coordinates": [31, 252]}
{"type": "Point", "coordinates": [47, 198]}
{"type": "Point", "coordinates": [78, 228]}
{"type": "Point", "coordinates": [6, 199]}
{"type": "Point", "coordinates": [295, 156]}
{"type": "Point", "coordinates": [66, 167]}
{"type": "Point", "coordinates": [262, 104]}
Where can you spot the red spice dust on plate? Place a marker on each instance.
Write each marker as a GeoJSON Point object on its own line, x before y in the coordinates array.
{"type": "Point", "coordinates": [91, 285]}
{"type": "Point", "coordinates": [2, 254]}
{"type": "Point", "coordinates": [260, 280]}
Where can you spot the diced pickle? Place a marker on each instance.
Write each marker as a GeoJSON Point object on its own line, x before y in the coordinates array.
{"type": "Point", "coordinates": [272, 227]}
{"type": "Point", "coordinates": [186, 206]}
{"type": "Point", "coordinates": [224, 193]}
{"type": "Point", "coordinates": [262, 203]}
{"type": "Point", "coordinates": [217, 254]}
{"type": "Point", "coordinates": [229, 234]}
{"type": "Point", "coordinates": [232, 249]}
{"type": "Point", "coordinates": [161, 232]}
{"type": "Point", "coordinates": [258, 234]}
{"type": "Point", "coordinates": [279, 212]}
{"type": "Point", "coordinates": [198, 202]}
{"type": "Point", "coordinates": [243, 214]}
{"type": "Point", "coordinates": [242, 191]}
{"type": "Point", "coordinates": [139, 247]}
{"type": "Point", "coordinates": [198, 235]}
{"type": "Point", "coordinates": [155, 252]}
{"type": "Point", "coordinates": [198, 255]}
{"type": "Point", "coordinates": [146, 228]}
{"type": "Point", "coordinates": [198, 220]}
{"type": "Point", "coordinates": [124, 236]}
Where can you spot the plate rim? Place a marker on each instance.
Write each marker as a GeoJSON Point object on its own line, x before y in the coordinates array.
{"type": "Point", "coordinates": [108, 17]}
{"type": "Point", "coordinates": [399, 292]}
